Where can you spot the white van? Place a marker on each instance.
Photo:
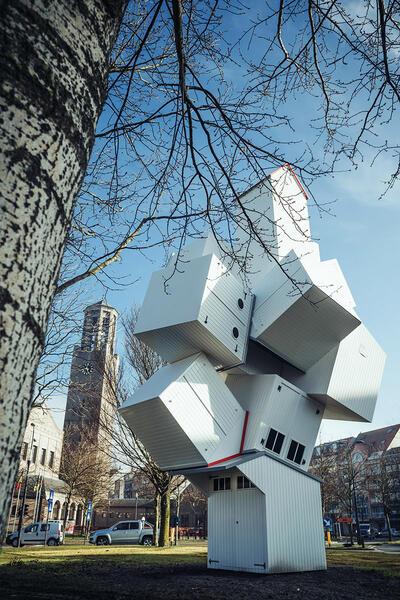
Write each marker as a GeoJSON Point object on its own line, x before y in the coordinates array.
{"type": "Point", "coordinates": [36, 534]}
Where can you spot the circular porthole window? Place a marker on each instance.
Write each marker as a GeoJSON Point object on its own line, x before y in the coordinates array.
{"type": "Point", "coordinates": [235, 332]}
{"type": "Point", "coordinates": [240, 303]}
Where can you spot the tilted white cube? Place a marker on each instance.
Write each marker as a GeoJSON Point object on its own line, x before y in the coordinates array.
{"type": "Point", "coordinates": [186, 415]}
{"type": "Point", "coordinates": [279, 415]}
{"type": "Point", "coordinates": [301, 312]}
{"type": "Point", "coordinates": [199, 306]}
{"type": "Point", "coordinates": [348, 378]}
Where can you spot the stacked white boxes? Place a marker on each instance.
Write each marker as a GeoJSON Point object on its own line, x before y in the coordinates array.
{"type": "Point", "coordinates": [278, 415]}
{"type": "Point", "coordinates": [298, 315]}
{"type": "Point", "coordinates": [163, 409]}
{"type": "Point", "coordinates": [251, 374]}
{"type": "Point", "coordinates": [201, 306]}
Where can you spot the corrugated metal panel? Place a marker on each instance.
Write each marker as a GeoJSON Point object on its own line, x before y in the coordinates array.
{"type": "Point", "coordinates": [348, 378]}
{"type": "Point", "coordinates": [167, 325]}
{"type": "Point", "coordinates": [299, 328]}
{"type": "Point", "coordinates": [253, 393]}
{"type": "Point", "coordinates": [357, 373]}
{"type": "Point", "coordinates": [278, 208]}
{"type": "Point", "coordinates": [273, 402]}
{"type": "Point", "coordinates": [156, 428]}
{"type": "Point", "coordinates": [295, 538]}
{"type": "Point", "coordinates": [220, 322]}
{"type": "Point", "coordinates": [204, 421]}
{"type": "Point", "coordinates": [237, 526]}
{"type": "Point", "coordinates": [229, 290]}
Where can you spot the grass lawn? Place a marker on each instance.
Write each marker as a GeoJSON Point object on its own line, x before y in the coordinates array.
{"type": "Point", "coordinates": [78, 572]}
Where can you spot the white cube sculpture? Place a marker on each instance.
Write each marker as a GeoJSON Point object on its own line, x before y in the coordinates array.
{"type": "Point", "coordinates": [201, 306]}
{"type": "Point", "coordinates": [279, 415]}
{"type": "Point", "coordinates": [250, 378]}
{"type": "Point", "coordinates": [347, 379]}
{"type": "Point", "coordinates": [299, 314]}
{"type": "Point", "coordinates": [186, 415]}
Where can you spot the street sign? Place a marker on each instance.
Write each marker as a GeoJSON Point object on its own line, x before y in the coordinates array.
{"type": "Point", "coordinates": [344, 520]}
{"type": "Point", "coordinates": [89, 510]}
{"type": "Point", "coordinates": [327, 523]}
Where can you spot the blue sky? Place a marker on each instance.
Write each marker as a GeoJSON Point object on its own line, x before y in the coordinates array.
{"type": "Point", "coordinates": [362, 232]}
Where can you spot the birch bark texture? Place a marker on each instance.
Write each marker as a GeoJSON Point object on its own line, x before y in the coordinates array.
{"type": "Point", "coordinates": [54, 62]}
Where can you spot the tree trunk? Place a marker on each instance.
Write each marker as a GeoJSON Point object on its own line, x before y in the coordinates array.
{"type": "Point", "coordinates": [156, 517]}
{"type": "Point", "coordinates": [388, 525]}
{"type": "Point", "coordinates": [54, 60]}
{"type": "Point", "coordinates": [165, 516]}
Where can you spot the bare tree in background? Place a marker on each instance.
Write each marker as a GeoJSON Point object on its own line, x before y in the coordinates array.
{"type": "Point", "coordinates": [143, 361]}
{"type": "Point", "coordinates": [350, 480]}
{"type": "Point", "coordinates": [189, 118]}
{"type": "Point", "coordinates": [324, 465]}
{"type": "Point", "coordinates": [116, 441]}
{"type": "Point", "coordinates": [85, 471]}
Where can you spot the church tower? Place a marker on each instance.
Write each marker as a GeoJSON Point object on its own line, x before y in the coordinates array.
{"type": "Point", "coordinates": [94, 371]}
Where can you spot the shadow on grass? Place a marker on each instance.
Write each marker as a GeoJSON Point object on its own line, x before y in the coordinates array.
{"type": "Point", "coordinates": [121, 572]}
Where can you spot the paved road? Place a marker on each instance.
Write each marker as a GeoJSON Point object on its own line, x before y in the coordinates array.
{"type": "Point", "coordinates": [389, 548]}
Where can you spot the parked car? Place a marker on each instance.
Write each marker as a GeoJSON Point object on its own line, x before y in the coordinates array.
{"type": "Point", "coordinates": [36, 534]}
{"type": "Point", "coordinates": [385, 532]}
{"type": "Point", "coordinates": [367, 531]}
{"type": "Point", "coordinates": [124, 532]}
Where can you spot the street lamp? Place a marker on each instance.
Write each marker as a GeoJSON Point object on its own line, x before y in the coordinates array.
{"type": "Point", "coordinates": [28, 464]}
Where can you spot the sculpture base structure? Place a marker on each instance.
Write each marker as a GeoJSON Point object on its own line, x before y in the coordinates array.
{"type": "Point", "coordinates": [263, 515]}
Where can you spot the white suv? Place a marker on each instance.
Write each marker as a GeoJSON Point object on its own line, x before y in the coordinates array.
{"type": "Point", "coordinates": [124, 532]}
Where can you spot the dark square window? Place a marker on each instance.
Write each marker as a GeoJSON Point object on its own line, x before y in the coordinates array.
{"type": "Point", "coordinates": [279, 442]}
{"type": "Point", "coordinates": [243, 483]}
{"type": "Point", "coordinates": [51, 459]}
{"type": "Point", "coordinates": [271, 439]}
{"type": "Point", "coordinates": [24, 450]}
{"type": "Point", "coordinates": [134, 525]}
{"type": "Point", "coordinates": [296, 452]}
{"type": "Point", "coordinates": [221, 483]}
{"type": "Point", "coordinates": [275, 441]}
{"type": "Point", "coordinates": [299, 454]}
{"type": "Point", "coordinates": [292, 450]}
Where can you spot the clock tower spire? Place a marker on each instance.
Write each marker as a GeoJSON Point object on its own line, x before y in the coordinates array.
{"type": "Point", "coordinates": [93, 372]}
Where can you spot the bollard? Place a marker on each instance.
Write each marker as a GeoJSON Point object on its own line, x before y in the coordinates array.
{"type": "Point", "coordinates": [328, 538]}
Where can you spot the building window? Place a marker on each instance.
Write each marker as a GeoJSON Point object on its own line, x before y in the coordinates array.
{"type": "Point", "coordinates": [243, 483]}
{"type": "Point", "coordinates": [24, 450]}
{"type": "Point", "coordinates": [43, 457]}
{"type": "Point", "coordinates": [275, 441]}
{"type": "Point", "coordinates": [51, 459]}
{"type": "Point", "coordinates": [121, 527]}
{"type": "Point", "coordinates": [296, 452]}
{"type": "Point", "coordinates": [222, 484]}
{"type": "Point", "coordinates": [34, 454]}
